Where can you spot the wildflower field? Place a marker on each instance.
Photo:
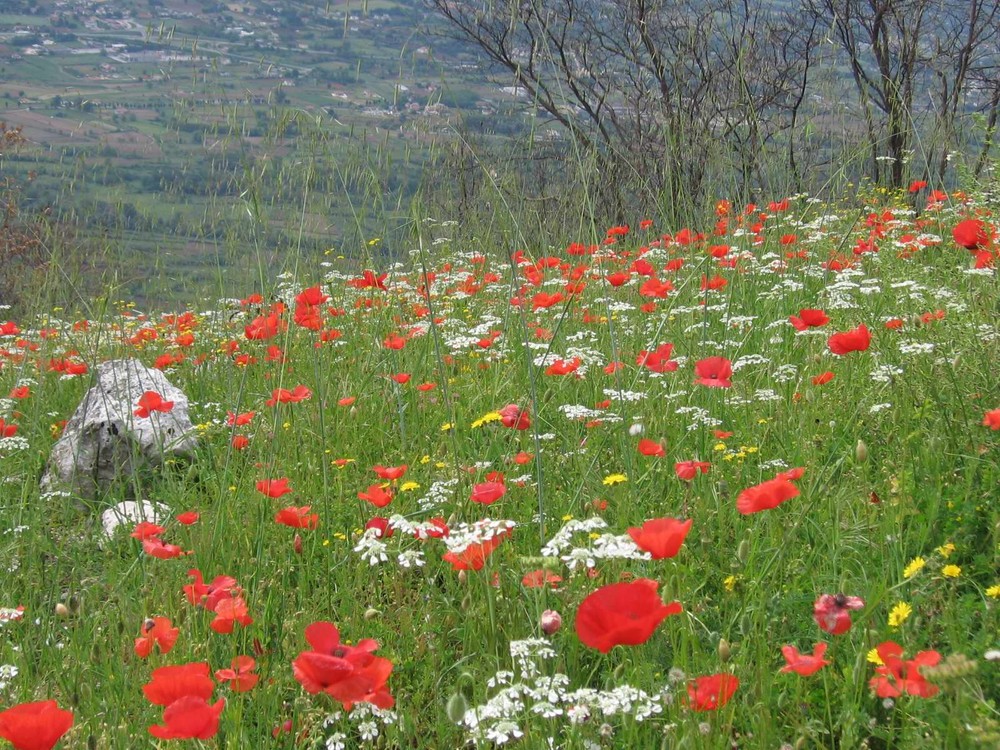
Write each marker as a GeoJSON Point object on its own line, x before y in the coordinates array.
{"type": "Point", "coordinates": [728, 486]}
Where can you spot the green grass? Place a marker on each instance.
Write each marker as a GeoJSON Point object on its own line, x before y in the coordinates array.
{"type": "Point", "coordinates": [925, 477]}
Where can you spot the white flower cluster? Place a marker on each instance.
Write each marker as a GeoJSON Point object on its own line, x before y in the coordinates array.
{"type": "Point", "coordinates": [366, 717]}
{"type": "Point", "coordinates": [601, 547]}
{"type": "Point", "coordinates": [578, 412]}
{"type": "Point", "coordinates": [371, 547]}
{"type": "Point", "coordinates": [529, 692]}
{"type": "Point", "coordinates": [465, 534]}
{"type": "Point", "coordinates": [438, 494]}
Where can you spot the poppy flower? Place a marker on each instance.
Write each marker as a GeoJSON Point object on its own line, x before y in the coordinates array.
{"type": "Point", "coordinates": [711, 692]}
{"type": "Point", "coordinates": [896, 675]}
{"type": "Point", "coordinates": [23, 392]}
{"type": "Point", "coordinates": [808, 318]}
{"type": "Point", "coordinates": [151, 401]}
{"type": "Point", "coordinates": [208, 595]}
{"type": "Point", "coordinates": [515, 418]}
{"type": "Point", "coordinates": [156, 547]}
{"type": "Point", "coordinates": [540, 578]}
{"type": "Point", "coordinates": [240, 442]}
{"type": "Point", "coordinates": [622, 614]}
{"type": "Point", "coordinates": [823, 378]}
{"type": "Point", "coordinates": [649, 447]}
{"type": "Point", "coordinates": [240, 676]}
{"type": "Point", "coordinates": [297, 518]}
{"type": "Point", "coordinates": [146, 530]}
{"type": "Point", "coordinates": [804, 664]}
{"type": "Point", "coordinates": [390, 472]}
{"type": "Point", "coordinates": [833, 613]}
{"type": "Point", "coordinates": [283, 396]}
{"type": "Point", "coordinates": [7, 430]}
{"type": "Point", "coordinates": [657, 360]}
{"type": "Point", "coordinates": [156, 631]}
{"type": "Point", "coordinates": [857, 340]}
{"type": "Point", "coordinates": [660, 537]}
{"type": "Point", "coordinates": [474, 555]}
{"type": "Point", "coordinates": [766, 495]}
{"type": "Point", "coordinates": [171, 683]}
{"type": "Point", "coordinates": [239, 420]}
{"type": "Point", "coordinates": [401, 377]}
{"type": "Point", "coordinates": [525, 458]}
{"type": "Point", "coordinates": [991, 419]}
{"type": "Point", "coordinates": [369, 280]}
{"type": "Point", "coordinates": [187, 518]}
{"type": "Point", "coordinates": [688, 470]}
{"type": "Point", "coordinates": [349, 674]}
{"type": "Point", "coordinates": [972, 234]}
{"type": "Point", "coordinates": [274, 487]}
{"type": "Point", "coordinates": [714, 372]}
{"type": "Point", "coordinates": [228, 612]}
{"type": "Point", "coordinates": [35, 726]}
{"type": "Point", "coordinates": [382, 525]}
{"type": "Point", "coordinates": [376, 495]}
{"type": "Point", "coordinates": [487, 493]}
{"type": "Point", "coordinates": [189, 718]}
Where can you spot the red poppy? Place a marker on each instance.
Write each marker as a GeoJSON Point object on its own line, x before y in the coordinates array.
{"type": "Point", "coordinates": [688, 470]}
{"type": "Point", "coordinates": [151, 401]}
{"type": "Point", "coordinates": [711, 692]}
{"type": "Point", "coordinates": [156, 547]}
{"type": "Point", "coordinates": [297, 518]}
{"type": "Point", "coordinates": [240, 676]}
{"type": "Point", "coordinates": [240, 442]}
{"type": "Point", "coordinates": [714, 372]}
{"type": "Point", "coordinates": [376, 495]}
{"type": "Point", "coordinates": [808, 318]}
{"type": "Point", "coordinates": [515, 418]}
{"type": "Point", "coordinates": [660, 537]}
{"type": "Point", "coordinates": [349, 674]}
{"type": "Point", "coordinates": [622, 614]}
{"type": "Point", "coordinates": [897, 676]}
{"type": "Point", "coordinates": [146, 530]}
{"type": "Point", "coordinates": [857, 340]}
{"type": "Point", "coordinates": [156, 631]}
{"type": "Point", "coordinates": [524, 458]}
{"type": "Point", "coordinates": [473, 556]}
{"type": "Point", "coordinates": [382, 525]}
{"type": "Point", "coordinates": [972, 234]}
{"type": "Point", "coordinates": [487, 493]}
{"type": "Point", "coordinates": [390, 472]}
{"type": "Point", "coordinates": [23, 392]}
{"type": "Point", "coordinates": [239, 420]}
{"type": "Point", "coordinates": [540, 578]}
{"type": "Point", "coordinates": [649, 447]}
{"type": "Point", "coordinates": [833, 613]}
{"type": "Point", "coordinates": [991, 419]}
{"type": "Point", "coordinates": [284, 396]}
{"type": "Point", "coordinates": [823, 378]}
{"type": "Point", "coordinates": [187, 518]}
{"type": "Point", "coordinates": [401, 377]}
{"type": "Point", "coordinates": [209, 595]}
{"type": "Point", "coordinates": [804, 664]}
{"type": "Point", "coordinates": [189, 718]}
{"type": "Point", "coordinates": [346, 401]}
{"type": "Point", "coordinates": [657, 360]}
{"type": "Point", "coordinates": [173, 682]}
{"type": "Point", "coordinates": [274, 487]}
{"type": "Point", "coordinates": [766, 495]}
{"type": "Point", "coordinates": [35, 726]}
{"type": "Point", "coordinates": [369, 280]}
{"type": "Point", "coordinates": [562, 367]}
{"type": "Point", "coordinates": [7, 430]}
{"type": "Point", "coordinates": [228, 612]}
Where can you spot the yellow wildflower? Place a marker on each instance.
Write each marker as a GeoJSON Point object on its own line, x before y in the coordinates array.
{"type": "Point", "coordinates": [493, 416]}
{"type": "Point", "coordinates": [611, 479]}
{"type": "Point", "coordinates": [951, 571]}
{"type": "Point", "coordinates": [874, 658]}
{"type": "Point", "coordinates": [407, 486]}
{"type": "Point", "coordinates": [729, 583]}
{"type": "Point", "coordinates": [719, 447]}
{"type": "Point", "coordinates": [945, 549]}
{"type": "Point", "coordinates": [899, 613]}
{"type": "Point", "coordinates": [993, 591]}
{"type": "Point", "coordinates": [914, 567]}
{"type": "Point", "coordinates": [446, 426]}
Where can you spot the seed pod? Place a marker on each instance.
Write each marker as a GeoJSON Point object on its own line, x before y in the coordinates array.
{"type": "Point", "coordinates": [725, 652]}
{"type": "Point", "coordinates": [861, 452]}
{"type": "Point", "coordinates": [457, 706]}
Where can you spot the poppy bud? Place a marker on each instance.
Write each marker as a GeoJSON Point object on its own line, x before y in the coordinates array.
{"type": "Point", "coordinates": [462, 577]}
{"type": "Point", "coordinates": [371, 613]}
{"type": "Point", "coordinates": [861, 452]}
{"type": "Point", "coordinates": [743, 551]}
{"type": "Point", "coordinates": [457, 706]}
{"type": "Point", "coordinates": [297, 544]}
{"type": "Point", "coordinates": [62, 610]}
{"type": "Point", "coordinates": [724, 650]}
{"type": "Point", "coordinates": [551, 621]}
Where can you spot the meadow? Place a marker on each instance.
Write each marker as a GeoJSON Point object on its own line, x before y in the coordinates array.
{"type": "Point", "coordinates": [724, 486]}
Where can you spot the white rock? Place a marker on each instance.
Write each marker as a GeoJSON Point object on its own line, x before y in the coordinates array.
{"type": "Point", "coordinates": [131, 512]}
{"type": "Point", "coordinates": [105, 441]}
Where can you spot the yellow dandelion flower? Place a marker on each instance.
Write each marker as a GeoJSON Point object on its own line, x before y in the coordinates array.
{"type": "Point", "coordinates": [951, 571]}
{"type": "Point", "coordinates": [446, 426]}
{"type": "Point", "coordinates": [567, 517]}
{"type": "Point", "coordinates": [729, 583]}
{"type": "Point", "coordinates": [611, 479]}
{"type": "Point", "coordinates": [993, 591]}
{"type": "Point", "coordinates": [425, 459]}
{"type": "Point", "coordinates": [899, 613]}
{"type": "Point", "coordinates": [440, 465]}
{"type": "Point", "coordinates": [719, 447]}
{"type": "Point", "coordinates": [408, 486]}
{"type": "Point", "coordinates": [945, 549]}
{"type": "Point", "coordinates": [493, 416]}
{"type": "Point", "coordinates": [874, 658]}
{"type": "Point", "coordinates": [914, 567]}
{"type": "Point", "coordinates": [594, 535]}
